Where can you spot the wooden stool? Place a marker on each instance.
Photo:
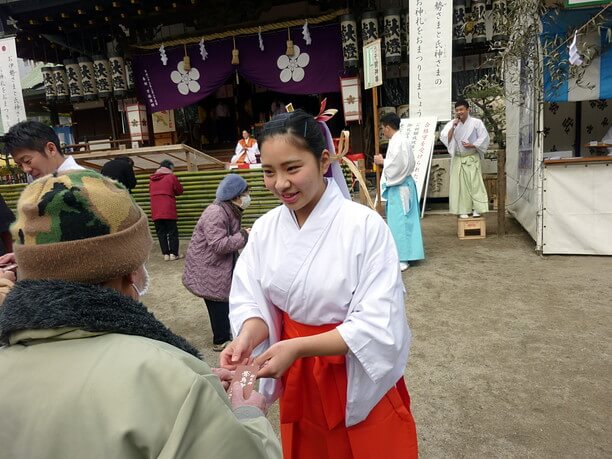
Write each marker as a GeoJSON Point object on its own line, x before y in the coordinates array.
{"type": "Point", "coordinates": [471, 228]}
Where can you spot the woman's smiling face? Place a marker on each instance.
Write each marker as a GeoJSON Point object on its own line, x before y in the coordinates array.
{"type": "Point", "coordinates": [294, 174]}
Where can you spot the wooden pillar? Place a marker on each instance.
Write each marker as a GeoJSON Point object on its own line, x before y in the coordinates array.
{"type": "Point", "coordinates": [379, 207]}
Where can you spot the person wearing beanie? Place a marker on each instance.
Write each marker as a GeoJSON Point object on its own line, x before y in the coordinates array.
{"type": "Point", "coordinates": [85, 369]}
{"type": "Point", "coordinates": [164, 187]}
{"type": "Point", "coordinates": [213, 251]}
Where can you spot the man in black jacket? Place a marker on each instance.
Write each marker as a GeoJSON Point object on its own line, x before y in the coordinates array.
{"type": "Point", "coordinates": [122, 170]}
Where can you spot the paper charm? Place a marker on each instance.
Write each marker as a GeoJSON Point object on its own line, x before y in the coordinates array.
{"type": "Point", "coordinates": [162, 55]}
{"type": "Point", "coordinates": [203, 51]}
{"type": "Point", "coordinates": [574, 55]}
{"type": "Point", "coordinates": [306, 33]}
{"type": "Point", "coordinates": [261, 45]}
{"type": "Point", "coordinates": [12, 22]}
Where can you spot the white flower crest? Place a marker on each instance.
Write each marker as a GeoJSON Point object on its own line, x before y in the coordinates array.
{"type": "Point", "coordinates": [184, 80]}
{"type": "Point", "coordinates": [292, 68]}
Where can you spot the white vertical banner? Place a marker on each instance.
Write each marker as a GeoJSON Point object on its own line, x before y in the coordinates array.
{"type": "Point", "coordinates": [431, 58]}
{"type": "Point", "coordinates": [421, 135]}
{"type": "Point", "coordinates": [12, 108]}
{"type": "Point", "coordinates": [372, 64]}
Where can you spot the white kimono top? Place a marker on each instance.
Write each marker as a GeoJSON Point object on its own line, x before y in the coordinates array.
{"type": "Point", "coordinates": [340, 267]}
{"type": "Point", "coordinates": [399, 162]}
{"type": "Point", "coordinates": [472, 131]}
{"type": "Point", "coordinates": [399, 165]}
{"type": "Point", "coordinates": [70, 164]}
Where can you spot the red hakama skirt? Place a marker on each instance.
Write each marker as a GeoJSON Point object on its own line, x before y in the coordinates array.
{"type": "Point", "coordinates": [313, 406]}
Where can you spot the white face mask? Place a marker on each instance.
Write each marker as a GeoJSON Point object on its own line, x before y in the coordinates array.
{"type": "Point", "coordinates": [245, 201]}
{"type": "Point", "coordinates": [145, 283]}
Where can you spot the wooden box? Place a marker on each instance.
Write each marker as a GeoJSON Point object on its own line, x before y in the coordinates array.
{"type": "Point", "coordinates": [471, 228]}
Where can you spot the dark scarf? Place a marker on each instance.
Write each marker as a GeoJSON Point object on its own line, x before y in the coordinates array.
{"type": "Point", "coordinates": [50, 304]}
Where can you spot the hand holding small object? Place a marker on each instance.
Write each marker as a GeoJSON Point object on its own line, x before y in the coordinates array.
{"type": "Point", "coordinates": [224, 375]}
{"type": "Point", "coordinates": [277, 359]}
{"type": "Point", "coordinates": [255, 399]}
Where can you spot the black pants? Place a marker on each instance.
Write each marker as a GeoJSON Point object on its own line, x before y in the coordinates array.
{"type": "Point", "coordinates": [167, 233]}
{"type": "Point", "coordinates": [218, 311]}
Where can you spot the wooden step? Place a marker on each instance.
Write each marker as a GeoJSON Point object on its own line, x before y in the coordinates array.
{"type": "Point", "coordinates": [471, 228]}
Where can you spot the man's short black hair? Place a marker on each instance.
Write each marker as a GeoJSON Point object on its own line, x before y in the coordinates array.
{"type": "Point", "coordinates": [30, 135]}
{"type": "Point", "coordinates": [462, 103]}
{"type": "Point", "coordinates": [391, 120]}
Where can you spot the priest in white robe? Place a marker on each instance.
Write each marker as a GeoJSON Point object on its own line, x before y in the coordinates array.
{"type": "Point", "coordinates": [467, 140]}
{"type": "Point", "coordinates": [400, 193]}
{"type": "Point", "coordinates": [246, 151]}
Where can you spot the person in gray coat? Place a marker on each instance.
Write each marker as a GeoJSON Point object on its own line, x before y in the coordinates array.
{"type": "Point", "coordinates": [213, 251]}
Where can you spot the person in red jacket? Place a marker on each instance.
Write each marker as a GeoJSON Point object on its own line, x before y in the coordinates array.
{"type": "Point", "coordinates": [163, 189]}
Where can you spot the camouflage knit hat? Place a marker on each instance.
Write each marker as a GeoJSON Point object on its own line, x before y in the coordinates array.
{"type": "Point", "coordinates": [79, 226]}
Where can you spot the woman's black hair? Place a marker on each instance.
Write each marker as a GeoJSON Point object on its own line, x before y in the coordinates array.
{"type": "Point", "coordinates": [167, 163]}
{"type": "Point", "coordinates": [302, 128]}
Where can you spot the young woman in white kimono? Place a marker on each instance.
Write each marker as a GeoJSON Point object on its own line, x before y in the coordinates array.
{"type": "Point", "coordinates": [317, 296]}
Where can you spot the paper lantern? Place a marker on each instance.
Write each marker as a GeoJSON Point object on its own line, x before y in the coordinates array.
{"type": "Point", "coordinates": [351, 99]}
{"type": "Point", "coordinates": [129, 74]}
{"type": "Point", "coordinates": [102, 74]}
{"type": "Point", "coordinates": [479, 34]}
{"type": "Point", "coordinates": [392, 34]}
{"type": "Point", "coordinates": [369, 27]}
{"type": "Point", "coordinates": [49, 81]}
{"type": "Point", "coordinates": [118, 77]}
{"type": "Point", "coordinates": [459, 22]}
{"type": "Point", "coordinates": [350, 47]}
{"type": "Point", "coordinates": [406, 33]}
{"type": "Point", "coordinates": [500, 10]}
{"type": "Point", "coordinates": [403, 111]}
{"type": "Point", "coordinates": [90, 89]}
{"type": "Point", "coordinates": [137, 122]}
{"type": "Point", "coordinates": [61, 83]}
{"type": "Point", "coordinates": [75, 86]}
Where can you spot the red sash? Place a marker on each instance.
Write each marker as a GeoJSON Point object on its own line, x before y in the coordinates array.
{"type": "Point", "coordinates": [313, 405]}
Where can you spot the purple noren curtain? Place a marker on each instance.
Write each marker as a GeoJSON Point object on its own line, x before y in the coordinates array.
{"type": "Point", "coordinates": [313, 69]}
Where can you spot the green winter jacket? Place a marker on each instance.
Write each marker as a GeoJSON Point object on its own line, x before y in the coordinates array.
{"type": "Point", "coordinates": [88, 372]}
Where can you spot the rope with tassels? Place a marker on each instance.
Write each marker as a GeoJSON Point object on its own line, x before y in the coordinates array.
{"type": "Point", "coordinates": [246, 30]}
{"type": "Point", "coordinates": [343, 146]}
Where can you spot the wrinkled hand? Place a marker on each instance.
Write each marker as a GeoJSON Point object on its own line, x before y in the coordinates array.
{"type": "Point", "coordinates": [8, 275]}
{"type": "Point", "coordinates": [277, 359]}
{"type": "Point", "coordinates": [238, 352]}
{"type": "Point", "coordinates": [224, 375]}
{"type": "Point", "coordinates": [467, 144]}
{"type": "Point", "coordinates": [456, 122]}
{"type": "Point", "coordinates": [7, 259]}
{"type": "Point", "coordinates": [6, 284]}
{"type": "Point", "coordinates": [255, 399]}
{"type": "Point", "coordinates": [378, 159]}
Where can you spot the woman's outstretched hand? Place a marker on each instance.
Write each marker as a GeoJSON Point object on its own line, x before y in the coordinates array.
{"type": "Point", "coordinates": [277, 359]}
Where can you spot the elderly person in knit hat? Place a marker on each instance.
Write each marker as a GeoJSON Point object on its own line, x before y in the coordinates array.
{"type": "Point", "coordinates": [213, 251]}
{"type": "Point", "coordinates": [86, 370]}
